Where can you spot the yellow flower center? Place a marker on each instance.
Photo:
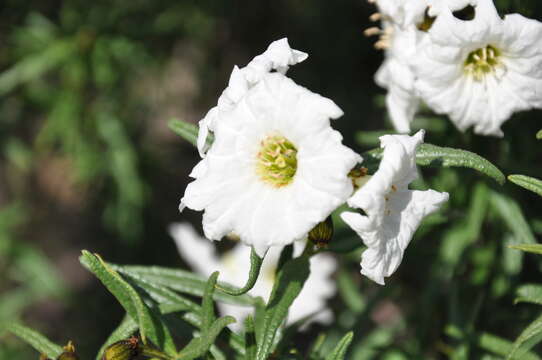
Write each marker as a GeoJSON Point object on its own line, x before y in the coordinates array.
{"type": "Point", "coordinates": [276, 162]}
{"type": "Point", "coordinates": [482, 61]}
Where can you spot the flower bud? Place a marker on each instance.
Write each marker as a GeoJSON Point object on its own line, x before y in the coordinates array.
{"type": "Point", "coordinates": [322, 233]}
{"type": "Point", "coordinates": [122, 350]}
{"type": "Point", "coordinates": [69, 353]}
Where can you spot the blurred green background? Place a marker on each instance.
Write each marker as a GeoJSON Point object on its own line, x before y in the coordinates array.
{"type": "Point", "coordinates": [88, 162]}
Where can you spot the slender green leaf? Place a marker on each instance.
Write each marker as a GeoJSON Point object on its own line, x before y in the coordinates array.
{"type": "Point", "coordinates": [35, 339]}
{"type": "Point", "coordinates": [530, 293]}
{"type": "Point", "coordinates": [339, 352]}
{"type": "Point", "coordinates": [207, 305]}
{"type": "Point", "coordinates": [316, 347]}
{"type": "Point", "coordinates": [199, 346]}
{"type": "Point", "coordinates": [172, 302]}
{"type": "Point", "coordinates": [491, 343]}
{"type": "Point", "coordinates": [149, 325]}
{"type": "Point", "coordinates": [526, 182]}
{"type": "Point", "coordinates": [432, 155]}
{"type": "Point", "coordinates": [250, 339]}
{"type": "Point", "coordinates": [532, 248]}
{"type": "Point", "coordinates": [523, 342]}
{"type": "Point", "coordinates": [288, 285]}
{"type": "Point", "coordinates": [187, 131]}
{"type": "Point", "coordinates": [255, 266]}
{"type": "Point", "coordinates": [36, 65]}
{"type": "Point", "coordinates": [349, 292]}
{"type": "Point", "coordinates": [125, 329]}
{"type": "Point", "coordinates": [181, 281]}
{"type": "Point", "coordinates": [510, 212]}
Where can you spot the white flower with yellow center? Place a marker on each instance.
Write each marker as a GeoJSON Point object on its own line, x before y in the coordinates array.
{"type": "Point", "coordinates": [404, 28]}
{"type": "Point", "coordinates": [276, 167]}
{"type": "Point", "coordinates": [392, 211]}
{"type": "Point", "coordinates": [278, 56]}
{"type": "Point", "coordinates": [481, 71]}
{"type": "Point", "coordinates": [233, 265]}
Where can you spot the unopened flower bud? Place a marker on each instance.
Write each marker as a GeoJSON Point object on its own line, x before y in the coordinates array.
{"type": "Point", "coordinates": [322, 233]}
{"type": "Point", "coordinates": [69, 352]}
{"type": "Point", "coordinates": [122, 350]}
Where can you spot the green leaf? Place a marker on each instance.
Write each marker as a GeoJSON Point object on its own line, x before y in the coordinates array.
{"type": "Point", "coordinates": [511, 214]}
{"type": "Point", "coordinates": [130, 301]}
{"type": "Point", "coordinates": [125, 329]}
{"type": "Point", "coordinates": [288, 285]}
{"type": "Point", "coordinates": [181, 281]}
{"type": "Point", "coordinates": [255, 266]}
{"type": "Point", "coordinates": [172, 302]}
{"type": "Point", "coordinates": [432, 155]}
{"type": "Point", "coordinates": [539, 135]}
{"type": "Point", "coordinates": [532, 248]}
{"type": "Point", "coordinates": [207, 306]}
{"type": "Point", "coordinates": [526, 182]}
{"type": "Point", "coordinates": [187, 131]}
{"type": "Point", "coordinates": [530, 293]}
{"type": "Point", "coordinates": [490, 342]}
{"type": "Point", "coordinates": [525, 340]}
{"type": "Point", "coordinates": [339, 352]}
{"type": "Point", "coordinates": [35, 339]}
{"type": "Point", "coordinates": [33, 66]}
{"type": "Point", "coordinates": [349, 292]}
{"type": "Point", "coordinates": [250, 338]}
{"type": "Point", "coordinates": [200, 345]}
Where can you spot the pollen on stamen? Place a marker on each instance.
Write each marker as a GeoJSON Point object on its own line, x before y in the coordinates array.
{"type": "Point", "coordinates": [276, 161]}
{"type": "Point", "coordinates": [482, 62]}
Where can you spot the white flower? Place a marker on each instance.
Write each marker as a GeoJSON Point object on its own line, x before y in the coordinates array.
{"type": "Point", "coordinates": [405, 24]}
{"type": "Point", "coordinates": [396, 76]}
{"type": "Point", "coordinates": [200, 254]}
{"type": "Point", "coordinates": [278, 56]}
{"type": "Point", "coordinates": [276, 167]}
{"type": "Point", "coordinates": [393, 212]}
{"type": "Point", "coordinates": [481, 71]}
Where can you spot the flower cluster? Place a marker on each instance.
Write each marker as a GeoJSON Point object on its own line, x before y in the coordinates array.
{"type": "Point", "coordinates": [461, 59]}
{"type": "Point", "coordinates": [276, 169]}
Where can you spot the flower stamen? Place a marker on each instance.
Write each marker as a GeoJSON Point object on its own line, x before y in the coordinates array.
{"type": "Point", "coordinates": [482, 62]}
{"type": "Point", "coordinates": [276, 162]}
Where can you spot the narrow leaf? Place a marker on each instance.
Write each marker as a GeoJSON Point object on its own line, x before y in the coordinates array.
{"type": "Point", "coordinates": [187, 131]}
{"type": "Point", "coordinates": [35, 339]}
{"type": "Point", "coordinates": [181, 281]}
{"type": "Point", "coordinates": [33, 66]}
{"type": "Point", "coordinates": [250, 339]}
{"type": "Point", "coordinates": [288, 285]}
{"type": "Point", "coordinates": [125, 329]}
{"type": "Point", "coordinates": [526, 182]}
{"type": "Point", "coordinates": [532, 248]}
{"type": "Point", "coordinates": [207, 305]}
{"type": "Point", "coordinates": [530, 293]}
{"type": "Point", "coordinates": [255, 266]}
{"type": "Point", "coordinates": [339, 352]}
{"type": "Point", "coordinates": [130, 301]}
{"type": "Point", "coordinates": [533, 331]}
{"type": "Point", "coordinates": [512, 215]}
{"type": "Point", "coordinates": [432, 155]}
{"type": "Point", "coordinates": [199, 346]}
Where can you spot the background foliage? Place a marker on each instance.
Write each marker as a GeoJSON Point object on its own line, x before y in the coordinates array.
{"type": "Point", "coordinates": [87, 161]}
